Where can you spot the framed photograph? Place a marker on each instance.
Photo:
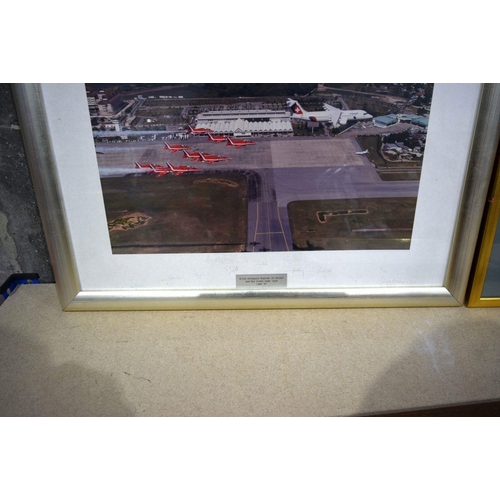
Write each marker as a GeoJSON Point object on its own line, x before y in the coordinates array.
{"type": "Point", "coordinates": [485, 277]}
{"type": "Point", "coordinates": [239, 196]}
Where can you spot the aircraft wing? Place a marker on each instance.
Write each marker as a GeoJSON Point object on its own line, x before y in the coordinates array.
{"type": "Point", "coordinates": [335, 113]}
{"type": "Point", "coordinates": [329, 108]}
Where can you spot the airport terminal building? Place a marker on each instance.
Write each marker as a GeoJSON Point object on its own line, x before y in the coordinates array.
{"type": "Point", "coordinates": [388, 120]}
{"type": "Point", "coordinates": [247, 122]}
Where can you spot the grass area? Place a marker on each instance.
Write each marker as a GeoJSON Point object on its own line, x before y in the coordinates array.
{"type": "Point", "coordinates": [413, 175]}
{"type": "Point", "coordinates": [186, 214]}
{"type": "Point", "coordinates": [352, 224]}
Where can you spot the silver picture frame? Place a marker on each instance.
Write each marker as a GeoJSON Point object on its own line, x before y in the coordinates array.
{"type": "Point", "coordinates": [74, 296]}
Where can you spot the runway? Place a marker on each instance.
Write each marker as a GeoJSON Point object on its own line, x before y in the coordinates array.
{"type": "Point", "coordinates": [269, 228]}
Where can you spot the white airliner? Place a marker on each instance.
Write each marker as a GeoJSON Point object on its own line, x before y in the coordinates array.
{"type": "Point", "coordinates": [365, 152]}
{"type": "Point", "coordinates": [331, 115]}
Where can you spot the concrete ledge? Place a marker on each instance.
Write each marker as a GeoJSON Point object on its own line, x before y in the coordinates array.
{"type": "Point", "coordinates": [323, 362]}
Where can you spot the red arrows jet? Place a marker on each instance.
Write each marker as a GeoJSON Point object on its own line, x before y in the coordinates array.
{"type": "Point", "coordinates": [149, 167]}
{"type": "Point", "coordinates": [160, 171]}
{"type": "Point", "coordinates": [199, 131]}
{"type": "Point", "coordinates": [239, 143]}
{"type": "Point", "coordinates": [207, 158]}
{"type": "Point", "coordinates": [191, 156]}
{"type": "Point", "coordinates": [175, 147]}
{"type": "Point", "coordinates": [181, 169]}
{"type": "Point", "coordinates": [216, 138]}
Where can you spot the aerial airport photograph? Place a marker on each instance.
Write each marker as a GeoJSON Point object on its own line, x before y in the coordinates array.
{"type": "Point", "coordinates": [260, 167]}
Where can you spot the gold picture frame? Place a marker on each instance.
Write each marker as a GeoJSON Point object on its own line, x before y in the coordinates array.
{"type": "Point", "coordinates": [484, 289]}
{"type": "Point", "coordinates": [46, 126]}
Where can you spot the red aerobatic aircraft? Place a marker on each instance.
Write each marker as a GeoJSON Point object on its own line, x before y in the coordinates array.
{"type": "Point", "coordinates": [191, 156]}
{"type": "Point", "coordinates": [149, 167]}
{"type": "Point", "coordinates": [181, 169]}
{"type": "Point", "coordinates": [207, 158]}
{"type": "Point", "coordinates": [160, 170]}
{"type": "Point", "coordinates": [199, 131]}
{"type": "Point", "coordinates": [175, 147]}
{"type": "Point", "coordinates": [239, 143]}
{"type": "Point", "coordinates": [216, 138]}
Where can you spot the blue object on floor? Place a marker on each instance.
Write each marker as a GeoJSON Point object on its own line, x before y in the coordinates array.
{"type": "Point", "coordinates": [13, 281]}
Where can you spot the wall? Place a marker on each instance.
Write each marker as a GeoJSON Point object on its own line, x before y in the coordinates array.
{"type": "Point", "coordinates": [22, 243]}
